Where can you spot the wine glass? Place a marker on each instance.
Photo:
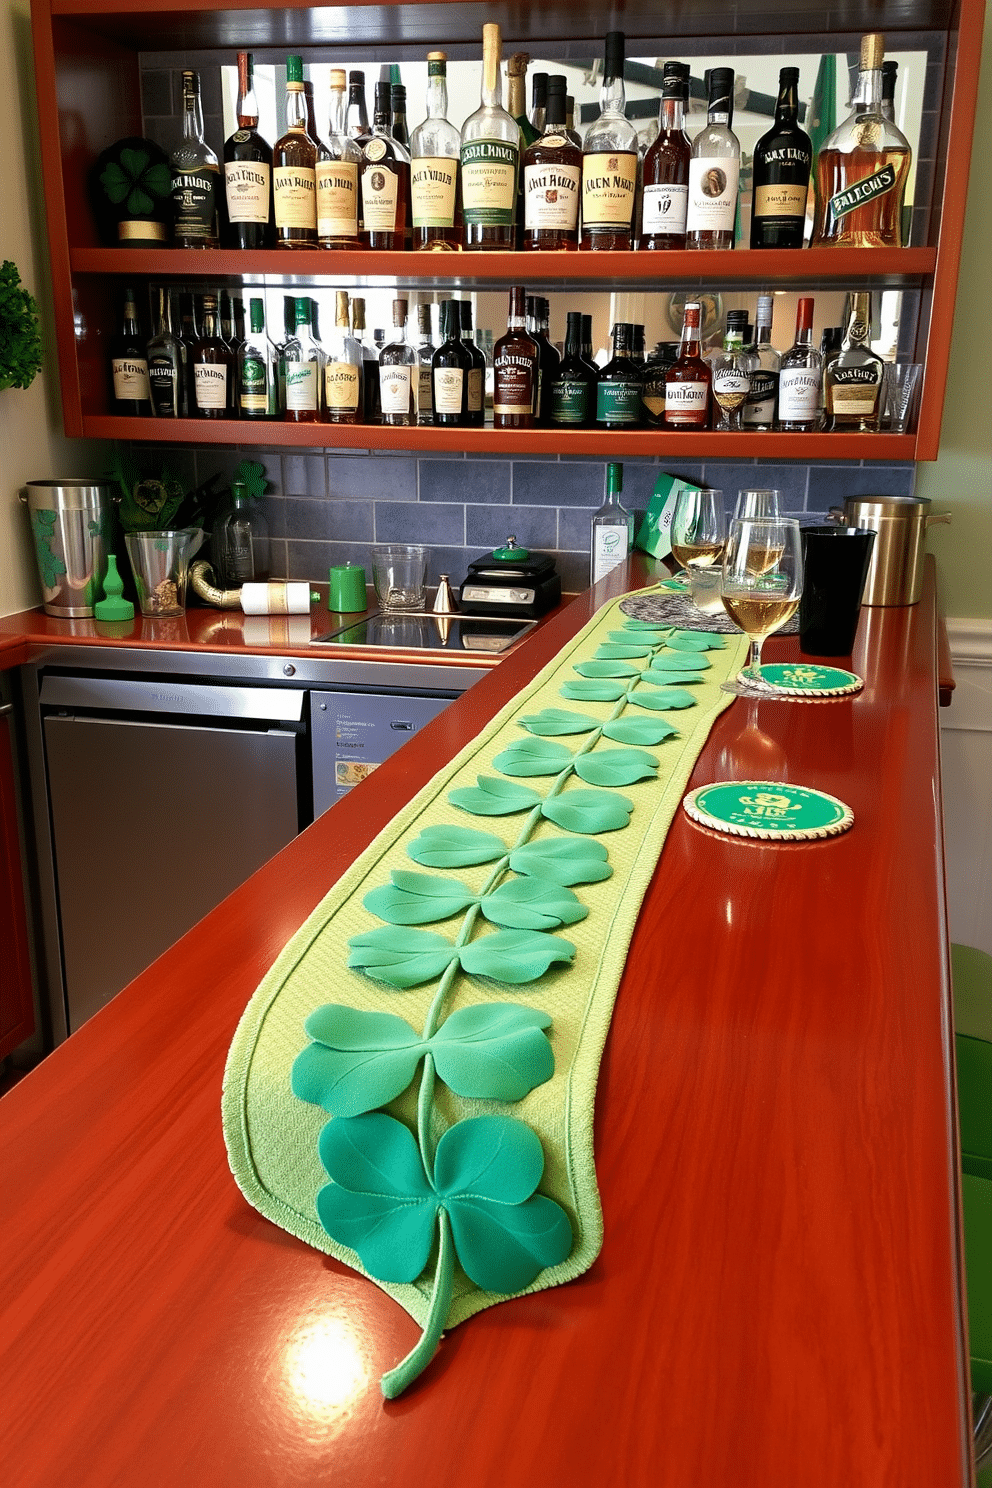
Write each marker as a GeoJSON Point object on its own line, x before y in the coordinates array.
{"type": "Point", "coordinates": [762, 581]}
{"type": "Point", "coordinates": [699, 528]}
{"type": "Point", "coordinates": [759, 505]}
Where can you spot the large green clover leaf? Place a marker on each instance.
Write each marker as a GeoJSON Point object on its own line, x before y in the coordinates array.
{"type": "Point", "coordinates": [671, 679]}
{"type": "Point", "coordinates": [620, 651]}
{"type": "Point", "coordinates": [592, 691]}
{"type": "Point", "coordinates": [494, 1051]}
{"type": "Point", "coordinates": [418, 898]}
{"type": "Point", "coordinates": [660, 700]}
{"type": "Point", "coordinates": [380, 1202]}
{"type": "Point", "coordinates": [697, 640]}
{"type": "Point", "coordinates": [639, 730]}
{"type": "Point", "coordinates": [533, 757]}
{"type": "Point", "coordinates": [531, 904]}
{"type": "Point", "coordinates": [562, 861]}
{"type": "Point", "coordinates": [675, 661]}
{"type": "Point", "coordinates": [407, 958]}
{"type": "Point", "coordinates": [616, 766]}
{"type": "Point", "coordinates": [515, 956]}
{"type": "Point", "coordinates": [606, 669]}
{"type": "Point", "coordinates": [493, 797]}
{"type": "Point", "coordinates": [558, 721]}
{"type": "Point", "coordinates": [592, 811]}
{"type": "Point", "coordinates": [454, 847]}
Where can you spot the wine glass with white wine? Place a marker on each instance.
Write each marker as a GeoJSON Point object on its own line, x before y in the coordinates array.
{"type": "Point", "coordinates": [699, 528]}
{"type": "Point", "coordinates": [762, 582]}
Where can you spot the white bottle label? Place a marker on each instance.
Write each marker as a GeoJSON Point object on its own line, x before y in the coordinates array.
{"type": "Point", "coordinates": [685, 397]}
{"type": "Point", "coordinates": [608, 183]}
{"type": "Point", "coordinates": [798, 395]}
{"type": "Point", "coordinates": [248, 184]}
{"type": "Point", "coordinates": [448, 389]}
{"type": "Point", "coordinates": [731, 383]}
{"type": "Point", "coordinates": [664, 210]}
{"type": "Point", "coordinates": [210, 384]}
{"type": "Point", "coordinates": [432, 190]}
{"type": "Point", "coordinates": [337, 199]}
{"type": "Point", "coordinates": [294, 192]}
{"type": "Point", "coordinates": [551, 197]}
{"type": "Point", "coordinates": [394, 388]}
{"type": "Point", "coordinates": [712, 194]}
{"type": "Point", "coordinates": [609, 548]}
{"type": "Point", "coordinates": [131, 379]}
{"type": "Point", "coordinates": [302, 386]}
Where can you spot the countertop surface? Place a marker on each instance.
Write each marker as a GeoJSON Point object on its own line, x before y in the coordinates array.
{"type": "Point", "coordinates": [779, 1297]}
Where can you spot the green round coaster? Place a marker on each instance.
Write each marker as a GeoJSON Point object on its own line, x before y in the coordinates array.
{"type": "Point", "coordinates": [806, 679]}
{"type": "Point", "coordinates": [768, 809]}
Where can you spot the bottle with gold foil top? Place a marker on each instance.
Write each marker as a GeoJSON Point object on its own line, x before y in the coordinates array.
{"type": "Point", "coordinates": [609, 162]}
{"type": "Point", "coordinates": [385, 180]}
{"type": "Point", "coordinates": [339, 164]}
{"type": "Point", "coordinates": [434, 150]}
{"type": "Point", "coordinates": [862, 167]}
{"type": "Point", "coordinates": [294, 158]}
{"type": "Point", "coordinates": [342, 369]}
{"type": "Point", "coordinates": [490, 157]}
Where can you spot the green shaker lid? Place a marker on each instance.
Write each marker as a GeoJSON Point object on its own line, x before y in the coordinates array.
{"type": "Point", "coordinates": [113, 606]}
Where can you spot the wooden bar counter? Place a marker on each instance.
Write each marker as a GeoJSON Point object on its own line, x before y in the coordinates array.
{"type": "Point", "coordinates": [779, 1297]}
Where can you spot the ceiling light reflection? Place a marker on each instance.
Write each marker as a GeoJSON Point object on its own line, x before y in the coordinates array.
{"type": "Point", "coordinates": [324, 1366]}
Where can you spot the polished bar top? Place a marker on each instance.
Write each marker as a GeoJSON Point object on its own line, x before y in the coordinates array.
{"type": "Point", "coordinates": [778, 1300]}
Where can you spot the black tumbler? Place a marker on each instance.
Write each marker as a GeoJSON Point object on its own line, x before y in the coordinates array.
{"type": "Point", "coordinates": [835, 566]}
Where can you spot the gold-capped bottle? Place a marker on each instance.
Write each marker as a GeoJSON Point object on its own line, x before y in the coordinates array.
{"type": "Point", "coordinates": [490, 159]}
{"type": "Point", "coordinates": [294, 160]}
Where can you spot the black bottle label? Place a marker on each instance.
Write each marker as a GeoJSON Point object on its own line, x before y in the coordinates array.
{"type": "Point", "coordinates": [194, 204]}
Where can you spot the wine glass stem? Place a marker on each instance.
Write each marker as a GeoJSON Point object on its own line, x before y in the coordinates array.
{"type": "Point", "coordinates": [755, 667]}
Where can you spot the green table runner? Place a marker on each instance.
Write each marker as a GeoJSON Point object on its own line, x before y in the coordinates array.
{"type": "Point", "coordinates": [411, 1087]}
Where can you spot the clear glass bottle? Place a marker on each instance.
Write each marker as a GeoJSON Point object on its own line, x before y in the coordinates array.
{"type": "Point", "coordinates": [570, 128]}
{"type": "Point", "coordinates": [490, 158]}
{"type": "Point", "coordinates": [665, 197]}
{"type": "Point", "coordinates": [239, 546]}
{"type": "Point", "coordinates": [195, 177]}
{"type": "Point", "coordinates": [294, 160]}
{"type": "Point", "coordinates": [714, 169]}
{"type": "Point", "coordinates": [343, 369]}
{"type": "Point", "coordinates": [258, 376]}
{"type": "Point", "coordinates": [129, 363]}
{"type": "Point", "coordinates": [425, 356]}
{"type": "Point", "coordinates": [303, 370]}
{"type": "Point", "coordinates": [516, 369]}
{"type": "Point", "coordinates": [370, 363]}
{"type": "Point", "coordinates": [612, 528]}
{"type": "Point", "coordinates": [434, 149]}
{"type": "Point", "coordinates": [552, 178]}
{"type": "Point", "coordinates": [248, 220]}
{"type": "Point", "coordinates": [339, 163]}
{"type": "Point", "coordinates": [609, 161]}
{"type": "Point", "coordinates": [688, 380]}
{"type": "Point", "coordinates": [862, 167]}
{"type": "Point", "coordinates": [761, 404]}
{"type": "Point", "coordinates": [450, 369]}
{"type": "Point", "coordinates": [357, 117]}
{"type": "Point", "coordinates": [572, 399]}
{"type": "Point", "coordinates": [618, 387]}
{"type": "Point", "coordinates": [782, 161]}
{"type": "Point", "coordinates": [800, 378]}
{"type": "Point", "coordinates": [398, 379]}
{"type": "Point", "coordinates": [476, 394]}
{"type": "Point", "coordinates": [385, 181]}
{"type": "Point", "coordinates": [853, 380]}
{"type": "Point", "coordinates": [212, 363]}
{"type": "Point", "coordinates": [731, 377]}
{"type": "Point", "coordinates": [166, 381]}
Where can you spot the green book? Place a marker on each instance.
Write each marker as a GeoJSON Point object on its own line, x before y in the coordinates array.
{"type": "Point", "coordinates": [654, 535]}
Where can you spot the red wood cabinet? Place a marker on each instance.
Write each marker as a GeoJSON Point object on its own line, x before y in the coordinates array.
{"type": "Point", "coordinates": [16, 1001]}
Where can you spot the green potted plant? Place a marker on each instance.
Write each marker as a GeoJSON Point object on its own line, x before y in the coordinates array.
{"type": "Point", "coordinates": [20, 341]}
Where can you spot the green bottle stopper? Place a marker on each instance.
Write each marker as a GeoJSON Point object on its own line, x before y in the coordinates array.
{"type": "Point", "coordinates": [113, 606]}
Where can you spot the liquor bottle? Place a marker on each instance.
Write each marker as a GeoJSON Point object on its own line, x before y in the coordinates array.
{"type": "Point", "coordinates": [398, 127]}
{"type": "Point", "coordinates": [398, 379]}
{"type": "Point", "coordinates": [665, 197]}
{"type": "Point", "coordinates": [187, 336]}
{"type": "Point", "coordinates": [516, 364]}
{"type": "Point", "coordinates": [612, 528]}
{"type": "Point", "coordinates": [129, 363]}
{"type": "Point", "coordinates": [490, 156]}
{"type": "Point", "coordinates": [609, 161]}
{"type": "Point", "coordinates": [761, 403]}
{"type": "Point", "coordinates": [799, 383]}
{"type": "Point", "coordinates": [166, 382]}
{"type": "Point", "coordinates": [552, 177]}
{"type": "Point", "coordinates": [782, 161]}
{"type": "Point", "coordinates": [862, 167]}
{"type": "Point", "coordinates": [731, 379]}
{"type": "Point", "coordinates": [370, 364]}
{"type": "Point", "coordinates": [570, 128]}
{"type": "Point", "coordinates": [714, 169]}
{"type": "Point", "coordinates": [539, 103]}
{"type": "Point", "coordinates": [572, 398]}
{"type": "Point", "coordinates": [687, 384]}
{"type": "Point", "coordinates": [195, 177]}
{"type": "Point", "coordinates": [656, 369]}
{"type": "Point", "coordinates": [248, 221]}
{"type": "Point", "coordinates": [587, 355]}
{"type": "Point", "coordinates": [336, 173]}
{"type": "Point", "coordinates": [343, 369]}
{"type": "Point", "coordinates": [618, 388]}
{"type": "Point", "coordinates": [475, 399]}
{"type": "Point", "coordinates": [434, 148]}
{"type": "Point", "coordinates": [450, 368]}
{"type": "Point", "coordinates": [212, 363]}
{"type": "Point", "coordinates": [516, 98]}
{"type": "Point", "coordinates": [258, 377]}
{"type": "Point", "coordinates": [385, 181]}
{"type": "Point", "coordinates": [225, 319]}
{"type": "Point", "coordinates": [890, 71]}
{"type": "Point", "coordinates": [549, 359]}
{"type": "Point", "coordinates": [303, 368]}
{"type": "Point", "coordinates": [425, 357]}
{"type": "Point", "coordinates": [853, 380]}
{"type": "Point", "coordinates": [294, 159]}
{"type": "Point", "coordinates": [239, 546]}
{"type": "Point", "coordinates": [357, 117]}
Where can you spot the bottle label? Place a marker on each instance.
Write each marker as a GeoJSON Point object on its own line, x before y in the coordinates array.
{"type": "Point", "coordinates": [433, 180]}
{"type": "Point", "coordinates": [866, 190]}
{"type": "Point", "coordinates": [448, 389]}
{"type": "Point", "coordinates": [608, 183]}
{"type": "Point", "coordinates": [337, 199]}
{"type": "Point", "coordinates": [759, 407]}
{"type": "Point", "coordinates": [551, 196]}
{"type": "Point", "coordinates": [514, 386]}
{"type": "Point", "coordinates": [394, 388]}
{"type": "Point", "coordinates": [712, 194]}
{"type": "Point", "coordinates": [294, 191]}
{"type": "Point", "coordinates": [685, 401]}
{"type": "Point", "coordinates": [489, 182]}
{"type": "Point", "coordinates": [618, 402]}
{"type": "Point", "coordinates": [131, 379]}
{"type": "Point", "coordinates": [664, 211]}
{"type": "Point", "coordinates": [609, 548]}
{"type": "Point", "coordinates": [302, 386]}
{"type": "Point", "coordinates": [653, 393]}
{"type": "Point", "coordinates": [798, 395]}
{"type": "Point", "coordinates": [248, 184]}
{"type": "Point", "coordinates": [254, 388]}
{"type": "Point", "coordinates": [210, 384]}
{"type": "Point", "coordinates": [143, 229]}
{"type": "Point", "coordinates": [785, 199]}
{"type": "Point", "coordinates": [569, 401]}
{"type": "Point", "coordinates": [342, 384]}
{"type": "Point", "coordinates": [424, 389]}
{"type": "Point", "coordinates": [380, 197]}
{"type": "Point", "coordinates": [194, 204]}
{"type": "Point", "coordinates": [858, 399]}
{"type": "Point", "coordinates": [731, 384]}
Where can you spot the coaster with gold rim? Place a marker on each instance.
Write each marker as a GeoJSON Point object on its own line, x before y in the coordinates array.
{"type": "Point", "coordinates": [806, 679]}
{"type": "Point", "coordinates": [767, 809]}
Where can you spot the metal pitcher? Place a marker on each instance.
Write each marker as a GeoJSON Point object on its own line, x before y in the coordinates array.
{"type": "Point", "coordinates": [70, 524]}
{"type": "Point", "coordinates": [895, 574]}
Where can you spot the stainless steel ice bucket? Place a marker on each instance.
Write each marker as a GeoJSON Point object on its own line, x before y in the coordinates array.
{"type": "Point", "coordinates": [70, 524]}
{"type": "Point", "coordinates": [895, 574]}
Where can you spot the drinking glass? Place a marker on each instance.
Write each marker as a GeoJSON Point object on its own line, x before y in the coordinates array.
{"type": "Point", "coordinates": [759, 505]}
{"type": "Point", "coordinates": [699, 528]}
{"type": "Point", "coordinates": [762, 581]}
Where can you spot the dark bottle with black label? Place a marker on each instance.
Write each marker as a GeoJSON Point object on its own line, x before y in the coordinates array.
{"type": "Point", "coordinates": [573, 387]}
{"type": "Point", "coordinates": [538, 323]}
{"type": "Point", "coordinates": [618, 391]}
{"type": "Point", "coordinates": [783, 159]}
{"type": "Point", "coordinates": [195, 177]}
{"type": "Point", "coordinates": [451, 368]}
{"type": "Point", "coordinates": [129, 363]}
{"type": "Point", "coordinates": [476, 401]}
{"type": "Point", "coordinates": [248, 220]}
{"type": "Point", "coordinates": [166, 380]}
{"type": "Point", "coordinates": [516, 364]}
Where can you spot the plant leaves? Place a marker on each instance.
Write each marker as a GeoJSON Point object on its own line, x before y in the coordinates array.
{"type": "Point", "coordinates": [455, 847]}
{"type": "Point", "coordinates": [515, 956]}
{"type": "Point", "coordinates": [671, 679]}
{"type": "Point", "coordinates": [418, 898]}
{"type": "Point", "coordinates": [659, 700]}
{"type": "Point", "coordinates": [558, 721]}
{"type": "Point", "coordinates": [493, 797]}
{"type": "Point", "coordinates": [697, 640]}
{"type": "Point", "coordinates": [358, 1060]}
{"type": "Point", "coordinates": [588, 811]}
{"type": "Point", "coordinates": [674, 661]}
{"type": "Point", "coordinates": [619, 650]}
{"type": "Point", "coordinates": [533, 757]}
{"type": "Point", "coordinates": [532, 904]}
{"type": "Point", "coordinates": [493, 1051]}
{"type": "Point", "coordinates": [589, 692]}
{"type": "Point", "coordinates": [606, 669]}
{"type": "Point", "coordinates": [616, 766]}
{"type": "Point", "coordinates": [562, 861]}
{"type": "Point", "coordinates": [647, 628]}
{"type": "Point", "coordinates": [401, 958]}
{"type": "Point", "coordinates": [639, 730]}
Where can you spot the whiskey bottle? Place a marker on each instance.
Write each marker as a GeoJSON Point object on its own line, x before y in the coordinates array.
{"type": "Point", "coordinates": [129, 363]}
{"type": "Point", "coordinates": [656, 369]}
{"type": "Point", "coordinates": [343, 369]}
{"type": "Point", "coordinates": [549, 358]}
{"type": "Point", "coordinates": [853, 380]}
{"type": "Point", "coordinates": [258, 378]}
{"type": "Point", "coordinates": [687, 383]}
{"type": "Point", "coordinates": [587, 355]}
{"type": "Point", "coordinates": [490, 157]}
{"type": "Point", "coordinates": [731, 379]}
{"type": "Point", "coordinates": [572, 399]}
{"type": "Point", "coordinates": [370, 364]}
{"type": "Point", "coordinates": [398, 126]}
{"type": "Point", "coordinates": [434, 150]}
{"type": "Point", "coordinates": [166, 380]}
{"type": "Point", "coordinates": [612, 528]}
{"type": "Point", "coordinates": [799, 383]}
{"type": "Point", "coordinates": [425, 357]}
{"type": "Point", "coordinates": [618, 388]}
{"type": "Point", "coordinates": [248, 221]}
{"type": "Point", "coordinates": [516, 99]}
{"type": "Point", "coordinates": [714, 169]}
{"type": "Point", "coordinates": [212, 363]}
{"type": "Point", "coordinates": [570, 128]}
{"type": "Point", "coordinates": [303, 367]}
{"type": "Point", "coordinates": [450, 368]}
{"type": "Point", "coordinates": [398, 381]}
{"type": "Point", "coordinates": [294, 159]}
{"type": "Point", "coordinates": [862, 167]}
{"type": "Point", "coordinates": [385, 181]}
{"type": "Point", "coordinates": [336, 175]}
{"type": "Point", "coordinates": [782, 161]}
{"type": "Point", "coordinates": [609, 161]}
{"type": "Point", "coordinates": [761, 403]}
{"type": "Point", "coordinates": [516, 363]}
{"type": "Point", "coordinates": [475, 401]}
{"type": "Point", "coordinates": [666, 167]}
{"type": "Point", "coordinates": [195, 177]}
{"type": "Point", "coordinates": [552, 175]}
{"type": "Point", "coordinates": [539, 103]}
